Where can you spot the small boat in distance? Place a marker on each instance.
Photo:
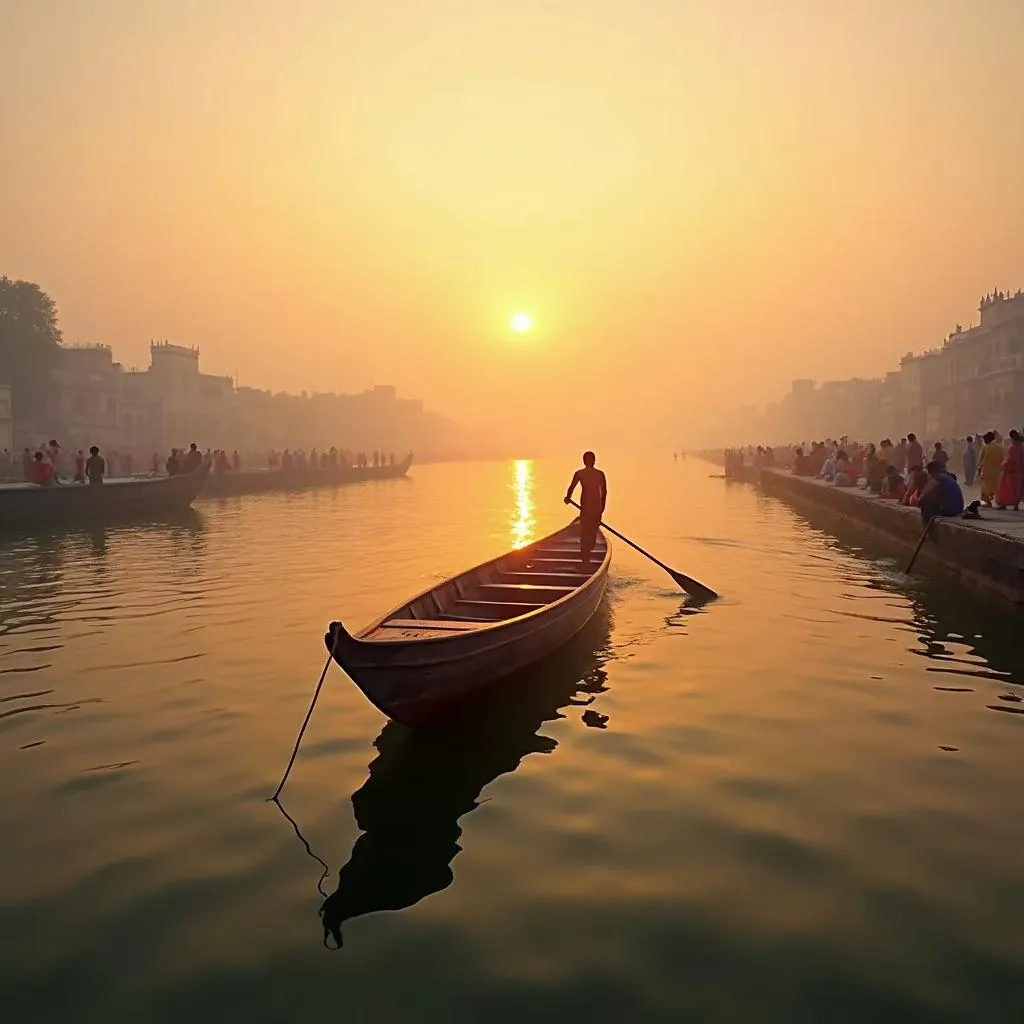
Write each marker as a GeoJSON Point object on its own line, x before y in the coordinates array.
{"type": "Point", "coordinates": [474, 629]}
{"type": "Point", "coordinates": [29, 505]}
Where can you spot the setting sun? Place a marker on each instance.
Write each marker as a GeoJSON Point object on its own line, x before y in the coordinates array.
{"type": "Point", "coordinates": [521, 323]}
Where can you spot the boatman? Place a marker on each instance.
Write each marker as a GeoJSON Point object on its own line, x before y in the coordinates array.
{"type": "Point", "coordinates": [593, 497]}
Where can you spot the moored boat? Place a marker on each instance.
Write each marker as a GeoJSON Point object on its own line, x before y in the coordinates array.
{"type": "Point", "coordinates": [474, 629]}
{"type": "Point", "coordinates": [28, 505]}
{"type": "Point", "coordinates": [260, 481]}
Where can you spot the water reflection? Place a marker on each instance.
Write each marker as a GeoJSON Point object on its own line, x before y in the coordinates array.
{"type": "Point", "coordinates": [974, 639]}
{"type": "Point", "coordinates": [177, 522]}
{"type": "Point", "coordinates": [523, 523]}
{"type": "Point", "coordinates": [422, 782]}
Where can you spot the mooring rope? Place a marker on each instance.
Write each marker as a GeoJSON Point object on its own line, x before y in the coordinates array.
{"type": "Point", "coordinates": [309, 714]}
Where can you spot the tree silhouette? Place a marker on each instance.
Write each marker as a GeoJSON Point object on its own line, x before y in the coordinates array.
{"type": "Point", "coordinates": [29, 343]}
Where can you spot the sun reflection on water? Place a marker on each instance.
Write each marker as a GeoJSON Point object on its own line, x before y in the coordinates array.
{"type": "Point", "coordinates": [522, 521]}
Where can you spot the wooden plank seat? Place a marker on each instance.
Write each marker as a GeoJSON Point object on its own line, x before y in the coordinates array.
{"type": "Point", "coordinates": [559, 564]}
{"type": "Point", "coordinates": [533, 593]}
{"type": "Point", "coordinates": [488, 610]}
{"type": "Point", "coordinates": [446, 624]}
{"type": "Point", "coordinates": [555, 579]}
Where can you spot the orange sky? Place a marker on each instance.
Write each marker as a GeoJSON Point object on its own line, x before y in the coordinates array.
{"type": "Point", "coordinates": [697, 201]}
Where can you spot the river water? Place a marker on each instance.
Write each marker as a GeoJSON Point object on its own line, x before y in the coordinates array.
{"type": "Point", "coordinates": [805, 803]}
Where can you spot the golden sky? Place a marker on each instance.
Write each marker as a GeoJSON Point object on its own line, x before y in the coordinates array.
{"type": "Point", "coordinates": [696, 201]}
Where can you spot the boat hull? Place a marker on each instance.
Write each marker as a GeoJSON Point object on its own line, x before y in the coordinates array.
{"type": "Point", "coordinates": [28, 505]}
{"type": "Point", "coordinates": [262, 481]}
{"type": "Point", "coordinates": [415, 680]}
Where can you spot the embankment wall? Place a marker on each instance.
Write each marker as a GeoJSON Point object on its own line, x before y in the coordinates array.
{"type": "Point", "coordinates": [976, 556]}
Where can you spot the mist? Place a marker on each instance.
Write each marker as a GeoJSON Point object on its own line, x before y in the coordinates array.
{"type": "Point", "coordinates": [696, 204]}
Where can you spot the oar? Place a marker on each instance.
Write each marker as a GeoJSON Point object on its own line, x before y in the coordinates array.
{"type": "Point", "coordinates": [913, 557]}
{"type": "Point", "coordinates": [687, 583]}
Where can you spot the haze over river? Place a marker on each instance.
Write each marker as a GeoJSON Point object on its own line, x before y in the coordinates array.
{"type": "Point", "coordinates": [805, 804]}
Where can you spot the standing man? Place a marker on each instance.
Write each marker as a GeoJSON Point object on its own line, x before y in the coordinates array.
{"type": "Point", "coordinates": [193, 458]}
{"type": "Point", "coordinates": [915, 453]}
{"type": "Point", "coordinates": [899, 456]}
{"type": "Point", "coordinates": [53, 453]}
{"type": "Point", "coordinates": [970, 461]}
{"type": "Point", "coordinates": [593, 498]}
{"type": "Point", "coordinates": [95, 466]}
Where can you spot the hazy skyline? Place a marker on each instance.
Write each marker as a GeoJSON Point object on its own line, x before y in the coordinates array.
{"type": "Point", "coordinates": [695, 202]}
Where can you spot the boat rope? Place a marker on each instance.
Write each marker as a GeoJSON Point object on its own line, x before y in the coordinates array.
{"type": "Point", "coordinates": [309, 714]}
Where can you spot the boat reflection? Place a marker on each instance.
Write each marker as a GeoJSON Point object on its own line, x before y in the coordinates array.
{"type": "Point", "coordinates": [185, 522]}
{"type": "Point", "coordinates": [422, 782]}
{"type": "Point", "coordinates": [523, 522]}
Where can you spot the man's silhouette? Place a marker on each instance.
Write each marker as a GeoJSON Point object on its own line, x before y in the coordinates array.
{"type": "Point", "coordinates": [593, 496]}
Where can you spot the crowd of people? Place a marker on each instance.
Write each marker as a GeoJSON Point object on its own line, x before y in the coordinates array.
{"type": "Point", "coordinates": [329, 459]}
{"type": "Point", "coordinates": [51, 463]}
{"type": "Point", "coordinates": [931, 477]}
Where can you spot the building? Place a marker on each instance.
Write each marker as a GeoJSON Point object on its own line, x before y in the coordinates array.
{"type": "Point", "coordinates": [810, 412]}
{"type": "Point", "coordinates": [173, 403]}
{"type": "Point", "coordinates": [88, 392]}
{"type": "Point", "coordinates": [975, 381]}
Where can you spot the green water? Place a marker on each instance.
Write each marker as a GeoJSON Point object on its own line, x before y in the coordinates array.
{"type": "Point", "coordinates": [805, 804]}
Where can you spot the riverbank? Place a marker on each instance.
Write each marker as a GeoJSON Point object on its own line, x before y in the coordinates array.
{"type": "Point", "coordinates": [987, 553]}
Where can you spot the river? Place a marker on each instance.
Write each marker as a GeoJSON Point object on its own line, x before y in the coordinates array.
{"type": "Point", "coordinates": [805, 803]}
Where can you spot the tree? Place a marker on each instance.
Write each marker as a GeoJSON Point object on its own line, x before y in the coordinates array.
{"type": "Point", "coordinates": [30, 342]}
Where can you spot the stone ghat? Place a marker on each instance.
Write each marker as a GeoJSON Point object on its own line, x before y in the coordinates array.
{"type": "Point", "coordinates": [987, 554]}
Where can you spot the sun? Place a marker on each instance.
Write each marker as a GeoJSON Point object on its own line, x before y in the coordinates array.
{"type": "Point", "coordinates": [521, 323]}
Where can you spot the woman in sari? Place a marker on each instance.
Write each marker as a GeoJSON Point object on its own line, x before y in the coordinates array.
{"type": "Point", "coordinates": [1011, 483]}
{"type": "Point", "coordinates": [989, 466]}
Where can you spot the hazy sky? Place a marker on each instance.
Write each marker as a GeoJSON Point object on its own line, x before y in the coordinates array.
{"type": "Point", "coordinates": [697, 200]}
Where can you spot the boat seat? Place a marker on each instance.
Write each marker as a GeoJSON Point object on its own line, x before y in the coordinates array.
{"type": "Point", "coordinates": [489, 611]}
{"type": "Point", "coordinates": [560, 564]}
{"type": "Point", "coordinates": [564, 549]}
{"type": "Point", "coordinates": [540, 593]}
{"type": "Point", "coordinates": [544, 578]}
{"type": "Point", "coordinates": [423, 624]}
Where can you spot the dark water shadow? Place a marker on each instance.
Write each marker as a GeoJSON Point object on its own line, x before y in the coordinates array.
{"type": "Point", "coordinates": [422, 782]}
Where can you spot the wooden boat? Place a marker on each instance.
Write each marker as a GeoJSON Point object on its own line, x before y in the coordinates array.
{"type": "Point", "coordinates": [475, 629]}
{"type": "Point", "coordinates": [260, 481]}
{"type": "Point", "coordinates": [423, 781]}
{"type": "Point", "coordinates": [26, 504]}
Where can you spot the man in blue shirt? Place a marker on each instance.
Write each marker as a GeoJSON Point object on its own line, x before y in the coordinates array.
{"type": "Point", "coordinates": [942, 495]}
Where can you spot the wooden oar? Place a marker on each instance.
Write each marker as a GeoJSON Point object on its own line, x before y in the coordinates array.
{"type": "Point", "coordinates": [924, 534]}
{"type": "Point", "coordinates": [691, 586]}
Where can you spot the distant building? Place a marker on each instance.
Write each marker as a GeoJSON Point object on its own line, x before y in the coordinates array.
{"type": "Point", "coordinates": [172, 403]}
{"type": "Point", "coordinates": [837, 407]}
{"type": "Point", "coordinates": [88, 389]}
{"type": "Point", "coordinates": [975, 381]}
{"type": "Point", "coordinates": [177, 403]}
